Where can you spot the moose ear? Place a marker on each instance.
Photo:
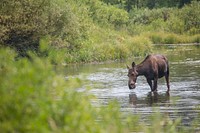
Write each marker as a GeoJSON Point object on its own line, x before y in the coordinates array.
{"type": "Point", "coordinates": [133, 64]}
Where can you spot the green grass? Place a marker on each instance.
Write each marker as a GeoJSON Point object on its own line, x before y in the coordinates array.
{"type": "Point", "coordinates": [171, 38]}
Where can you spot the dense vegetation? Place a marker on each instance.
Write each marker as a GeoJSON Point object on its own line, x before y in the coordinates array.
{"type": "Point", "coordinates": [94, 30]}
{"type": "Point", "coordinates": [36, 99]}
{"type": "Point", "coordinates": [129, 4]}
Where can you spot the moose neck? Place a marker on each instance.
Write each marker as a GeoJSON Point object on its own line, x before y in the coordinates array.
{"type": "Point", "coordinates": [140, 69]}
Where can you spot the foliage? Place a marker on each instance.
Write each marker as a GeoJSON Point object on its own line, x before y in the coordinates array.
{"type": "Point", "coordinates": [170, 20]}
{"type": "Point", "coordinates": [107, 14]}
{"type": "Point", "coordinates": [190, 18]}
{"type": "Point", "coordinates": [175, 24]}
{"type": "Point", "coordinates": [147, 16]}
{"type": "Point", "coordinates": [35, 99]}
{"type": "Point", "coordinates": [129, 4]}
{"type": "Point", "coordinates": [171, 38]}
{"type": "Point", "coordinates": [93, 30]}
{"type": "Point", "coordinates": [22, 23]}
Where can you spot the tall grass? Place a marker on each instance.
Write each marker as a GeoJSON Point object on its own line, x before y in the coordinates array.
{"type": "Point", "coordinates": [171, 38]}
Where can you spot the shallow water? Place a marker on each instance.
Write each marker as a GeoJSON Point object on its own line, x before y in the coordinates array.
{"type": "Point", "coordinates": [108, 81]}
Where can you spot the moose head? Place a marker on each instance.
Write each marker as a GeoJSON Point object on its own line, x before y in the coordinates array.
{"type": "Point", "coordinates": [132, 74]}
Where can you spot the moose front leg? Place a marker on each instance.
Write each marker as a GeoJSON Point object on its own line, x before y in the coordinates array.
{"type": "Point", "coordinates": [150, 83]}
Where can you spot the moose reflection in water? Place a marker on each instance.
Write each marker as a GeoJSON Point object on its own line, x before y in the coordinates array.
{"type": "Point", "coordinates": [153, 67]}
{"type": "Point", "coordinates": [151, 98]}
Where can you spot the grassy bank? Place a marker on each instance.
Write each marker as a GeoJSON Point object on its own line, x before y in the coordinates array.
{"type": "Point", "coordinates": [171, 38]}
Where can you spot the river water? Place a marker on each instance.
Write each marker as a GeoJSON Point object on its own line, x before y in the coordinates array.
{"type": "Point", "coordinates": [108, 81]}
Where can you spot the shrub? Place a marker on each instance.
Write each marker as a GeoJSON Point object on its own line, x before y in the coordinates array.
{"type": "Point", "coordinates": [190, 16]}
{"type": "Point", "coordinates": [175, 24]}
{"type": "Point", "coordinates": [107, 15]}
{"type": "Point", "coordinates": [24, 23]}
{"type": "Point", "coordinates": [36, 99]}
{"type": "Point", "coordinates": [147, 16]}
{"type": "Point", "coordinates": [156, 38]}
{"type": "Point", "coordinates": [139, 46]}
{"type": "Point", "coordinates": [170, 39]}
{"type": "Point", "coordinates": [197, 38]}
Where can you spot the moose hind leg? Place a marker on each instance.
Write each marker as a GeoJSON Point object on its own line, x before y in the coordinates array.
{"type": "Point", "coordinates": [155, 84]}
{"type": "Point", "coordinates": [167, 81]}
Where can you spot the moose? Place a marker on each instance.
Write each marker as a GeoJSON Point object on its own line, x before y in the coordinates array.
{"type": "Point", "coordinates": [152, 67]}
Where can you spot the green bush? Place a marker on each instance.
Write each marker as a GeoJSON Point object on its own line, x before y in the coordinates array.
{"type": "Point", "coordinates": [190, 16]}
{"type": "Point", "coordinates": [170, 39]}
{"type": "Point", "coordinates": [175, 24]}
{"type": "Point", "coordinates": [24, 23]}
{"type": "Point", "coordinates": [179, 21]}
{"type": "Point", "coordinates": [35, 99]}
{"type": "Point", "coordinates": [197, 38]}
{"type": "Point", "coordinates": [156, 39]}
{"type": "Point", "coordinates": [146, 16]}
{"type": "Point", "coordinates": [107, 15]}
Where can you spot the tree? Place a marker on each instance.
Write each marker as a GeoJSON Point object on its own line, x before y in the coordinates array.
{"type": "Point", "coordinates": [183, 2]}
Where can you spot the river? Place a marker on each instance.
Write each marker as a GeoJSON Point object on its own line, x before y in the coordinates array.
{"type": "Point", "coordinates": [108, 81]}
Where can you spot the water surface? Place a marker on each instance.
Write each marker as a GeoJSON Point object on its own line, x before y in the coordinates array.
{"type": "Point", "coordinates": [108, 81]}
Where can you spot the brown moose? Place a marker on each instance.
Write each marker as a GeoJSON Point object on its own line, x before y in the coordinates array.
{"type": "Point", "coordinates": [153, 67]}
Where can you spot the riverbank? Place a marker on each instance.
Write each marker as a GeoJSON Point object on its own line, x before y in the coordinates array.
{"type": "Point", "coordinates": [181, 44]}
{"type": "Point", "coordinates": [120, 47]}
